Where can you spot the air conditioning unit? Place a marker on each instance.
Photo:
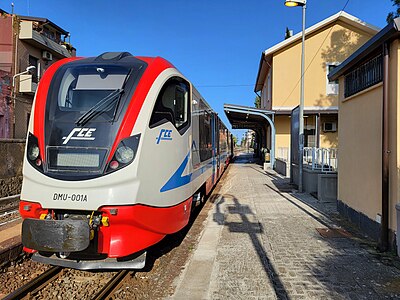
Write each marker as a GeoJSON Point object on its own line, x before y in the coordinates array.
{"type": "Point", "coordinates": [46, 55]}
{"type": "Point", "coordinates": [329, 126]}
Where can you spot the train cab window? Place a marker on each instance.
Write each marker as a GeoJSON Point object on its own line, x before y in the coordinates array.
{"type": "Point", "coordinates": [89, 87]}
{"type": "Point", "coordinates": [172, 105]}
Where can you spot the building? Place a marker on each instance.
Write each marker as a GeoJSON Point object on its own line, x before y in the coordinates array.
{"type": "Point", "coordinates": [369, 135]}
{"type": "Point", "coordinates": [327, 44]}
{"type": "Point", "coordinates": [25, 41]}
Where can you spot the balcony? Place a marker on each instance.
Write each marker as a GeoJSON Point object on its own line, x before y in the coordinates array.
{"type": "Point", "coordinates": [40, 41]}
{"type": "Point", "coordinates": [27, 84]}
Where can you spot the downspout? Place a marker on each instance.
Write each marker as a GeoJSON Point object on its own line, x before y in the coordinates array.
{"type": "Point", "coordinates": [384, 238]}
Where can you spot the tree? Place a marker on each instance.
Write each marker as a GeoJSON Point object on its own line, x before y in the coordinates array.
{"type": "Point", "coordinates": [257, 100]}
{"type": "Point", "coordinates": [394, 14]}
{"type": "Point", "coordinates": [288, 33]}
{"type": "Point", "coordinates": [235, 140]}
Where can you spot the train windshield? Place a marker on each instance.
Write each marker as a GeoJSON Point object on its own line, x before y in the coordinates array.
{"type": "Point", "coordinates": [91, 91]}
{"type": "Point", "coordinates": [86, 104]}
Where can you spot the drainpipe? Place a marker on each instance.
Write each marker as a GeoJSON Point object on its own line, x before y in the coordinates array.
{"type": "Point", "coordinates": [384, 238]}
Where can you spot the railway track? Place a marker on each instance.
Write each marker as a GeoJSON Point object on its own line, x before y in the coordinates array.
{"type": "Point", "coordinates": [9, 209]}
{"type": "Point", "coordinates": [112, 285]}
{"type": "Point", "coordinates": [31, 288]}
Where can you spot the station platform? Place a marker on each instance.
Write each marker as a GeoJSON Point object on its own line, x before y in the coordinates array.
{"type": "Point", "coordinates": [10, 241]}
{"type": "Point", "coordinates": [262, 240]}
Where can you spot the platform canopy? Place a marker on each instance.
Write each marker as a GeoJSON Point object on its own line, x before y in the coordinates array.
{"type": "Point", "coordinates": [246, 117]}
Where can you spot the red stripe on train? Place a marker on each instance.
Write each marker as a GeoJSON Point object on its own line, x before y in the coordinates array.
{"type": "Point", "coordinates": [134, 228]}
{"type": "Point", "coordinates": [40, 102]}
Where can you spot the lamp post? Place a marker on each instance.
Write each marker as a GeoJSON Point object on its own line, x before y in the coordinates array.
{"type": "Point", "coordinates": [302, 3]}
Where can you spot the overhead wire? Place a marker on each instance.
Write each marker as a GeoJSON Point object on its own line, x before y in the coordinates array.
{"type": "Point", "coordinates": [315, 55]}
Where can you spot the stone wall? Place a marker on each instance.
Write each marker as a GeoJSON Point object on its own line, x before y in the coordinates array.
{"type": "Point", "coordinates": [11, 158]}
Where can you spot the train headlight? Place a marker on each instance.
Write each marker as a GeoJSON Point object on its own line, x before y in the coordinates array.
{"type": "Point", "coordinates": [124, 154]}
{"type": "Point", "coordinates": [33, 152]}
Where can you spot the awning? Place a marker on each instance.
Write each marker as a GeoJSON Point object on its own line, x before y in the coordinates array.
{"type": "Point", "coordinates": [245, 117]}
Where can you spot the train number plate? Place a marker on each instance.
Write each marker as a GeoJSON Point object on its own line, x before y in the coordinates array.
{"type": "Point", "coordinates": [70, 197]}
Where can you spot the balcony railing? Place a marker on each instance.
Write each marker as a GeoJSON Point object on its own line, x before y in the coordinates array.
{"type": "Point", "coordinates": [321, 159]}
{"type": "Point", "coordinates": [31, 36]}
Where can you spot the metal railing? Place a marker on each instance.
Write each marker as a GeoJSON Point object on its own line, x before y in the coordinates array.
{"type": "Point", "coordinates": [283, 153]}
{"type": "Point", "coordinates": [363, 77]}
{"type": "Point", "coordinates": [322, 159]}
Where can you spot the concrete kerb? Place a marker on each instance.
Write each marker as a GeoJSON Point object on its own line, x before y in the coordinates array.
{"type": "Point", "coordinates": [195, 280]}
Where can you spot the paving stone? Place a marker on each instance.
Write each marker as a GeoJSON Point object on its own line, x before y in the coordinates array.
{"type": "Point", "coordinates": [268, 246]}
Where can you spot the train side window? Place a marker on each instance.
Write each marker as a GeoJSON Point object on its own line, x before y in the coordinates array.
{"type": "Point", "coordinates": [172, 105]}
{"type": "Point", "coordinates": [205, 136]}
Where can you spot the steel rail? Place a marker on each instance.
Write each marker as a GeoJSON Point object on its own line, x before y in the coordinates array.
{"type": "Point", "coordinates": [34, 285]}
{"type": "Point", "coordinates": [111, 286]}
{"type": "Point", "coordinates": [9, 199]}
{"type": "Point", "coordinates": [10, 209]}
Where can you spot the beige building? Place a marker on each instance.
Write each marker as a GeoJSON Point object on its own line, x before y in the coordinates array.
{"type": "Point", "coordinates": [327, 44]}
{"type": "Point", "coordinates": [369, 134]}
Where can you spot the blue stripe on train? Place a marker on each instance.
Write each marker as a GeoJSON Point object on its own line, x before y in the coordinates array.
{"type": "Point", "coordinates": [177, 180]}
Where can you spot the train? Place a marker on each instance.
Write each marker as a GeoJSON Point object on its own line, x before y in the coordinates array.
{"type": "Point", "coordinates": [119, 151]}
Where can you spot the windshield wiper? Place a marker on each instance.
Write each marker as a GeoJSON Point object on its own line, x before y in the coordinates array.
{"type": "Point", "coordinates": [100, 107]}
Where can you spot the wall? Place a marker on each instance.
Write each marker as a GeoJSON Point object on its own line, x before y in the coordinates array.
{"type": "Point", "coordinates": [11, 158]}
{"type": "Point", "coordinates": [359, 162]}
{"type": "Point", "coordinates": [342, 41]}
{"type": "Point", "coordinates": [360, 138]}
{"type": "Point", "coordinates": [6, 46]}
{"type": "Point", "coordinates": [282, 126]}
{"type": "Point", "coordinates": [328, 139]}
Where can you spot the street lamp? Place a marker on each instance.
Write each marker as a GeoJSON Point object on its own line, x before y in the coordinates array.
{"type": "Point", "coordinates": [27, 70]}
{"type": "Point", "coordinates": [302, 3]}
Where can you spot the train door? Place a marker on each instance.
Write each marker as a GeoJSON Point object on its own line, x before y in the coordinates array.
{"type": "Point", "coordinates": [169, 137]}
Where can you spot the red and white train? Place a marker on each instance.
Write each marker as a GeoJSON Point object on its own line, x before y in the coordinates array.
{"type": "Point", "coordinates": [118, 149]}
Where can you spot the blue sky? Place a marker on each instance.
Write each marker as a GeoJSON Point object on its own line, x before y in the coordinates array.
{"type": "Point", "coordinates": [216, 44]}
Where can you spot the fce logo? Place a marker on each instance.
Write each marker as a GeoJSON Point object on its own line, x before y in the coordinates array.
{"type": "Point", "coordinates": [83, 134]}
{"type": "Point", "coordinates": [165, 135]}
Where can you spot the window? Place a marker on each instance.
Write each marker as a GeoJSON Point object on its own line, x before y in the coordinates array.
{"type": "Point", "coordinates": [172, 105]}
{"type": "Point", "coordinates": [363, 77]}
{"type": "Point", "coordinates": [332, 87]}
{"type": "Point", "coordinates": [205, 135]}
{"type": "Point", "coordinates": [33, 61]}
{"type": "Point", "coordinates": [83, 87]}
{"type": "Point", "coordinates": [28, 117]}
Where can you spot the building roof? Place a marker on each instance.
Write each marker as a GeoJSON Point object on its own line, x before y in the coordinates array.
{"type": "Point", "coordinates": [266, 56]}
{"type": "Point", "coordinates": [390, 32]}
{"type": "Point", "coordinates": [44, 20]}
{"type": "Point", "coordinates": [38, 19]}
